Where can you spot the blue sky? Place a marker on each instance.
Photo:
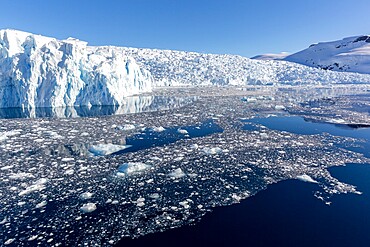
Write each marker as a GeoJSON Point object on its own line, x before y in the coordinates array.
{"type": "Point", "coordinates": [239, 27]}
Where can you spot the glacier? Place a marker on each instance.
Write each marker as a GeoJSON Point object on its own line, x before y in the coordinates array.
{"type": "Point", "coordinates": [38, 71]}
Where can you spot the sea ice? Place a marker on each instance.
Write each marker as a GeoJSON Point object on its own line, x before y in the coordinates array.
{"type": "Point", "coordinates": [106, 149]}
{"type": "Point", "coordinates": [183, 131]}
{"type": "Point", "coordinates": [88, 207]}
{"type": "Point", "coordinates": [306, 178]}
{"type": "Point", "coordinates": [158, 129]}
{"type": "Point", "coordinates": [177, 173]}
{"type": "Point", "coordinates": [86, 195]}
{"type": "Point", "coordinates": [280, 108]}
{"type": "Point", "coordinates": [214, 150]}
{"type": "Point", "coordinates": [132, 167]}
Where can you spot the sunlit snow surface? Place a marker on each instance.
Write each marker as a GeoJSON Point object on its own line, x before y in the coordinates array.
{"type": "Point", "coordinates": [54, 192]}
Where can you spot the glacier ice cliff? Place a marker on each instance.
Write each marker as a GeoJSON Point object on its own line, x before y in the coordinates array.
{"type": "Point", "coordinates": [37, 71]}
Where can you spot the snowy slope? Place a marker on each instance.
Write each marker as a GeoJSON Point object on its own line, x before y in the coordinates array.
{"type": "Point", "coordinates": [271, 56]}
{"type": "Point", "coordinates": [37, 71]}
{"type": "Point", "coordinates": [179, 68]}
{"type": "Point", "coordinates": [350, 54]}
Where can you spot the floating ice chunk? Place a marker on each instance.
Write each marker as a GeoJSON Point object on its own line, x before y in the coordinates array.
{"type": "Point", "coordinates": [9, 241]}
{"type": "Point", "coordinates": [140, 202]}
{"type": "Point", "coordinates": [338, 121]}
{"type": "Point", "coordinates": [21, 175]}
{"type": "Point", "coordinates": [154, 196]}
{"type": "Point", "coordinates": [132, 167]}
{"type": "Point", "coordinates": [194, 146]}
{"type": "Point", "coordinates": [106, 149]}
{"type": "Point", "coordinates": [86, 195]}
{"type": "Point", "coordinates": [41, 204]}
{"type": "Point", "coordinates": [5, 135]}
{"type": "Point", "coordinates": [185, 204]}
{"type": "Point", "coordinates": [306, 178]}
{"type": "Point", "coordinates": [182, 131]}
{"type": "Point", "coordinates": [37, 186]}
{"type": "Point", "coordinates": [158, 129]}
{"type": "Point", "coordinates": [214, 150]}
{"type": "Point", "coordinates": [177, 173]}
{"type": "Point", "coordinates": [84, 134]}
{"type": "Point", "coordinates": [264, 135]}
{"type": "Point", "coordinates": [128, 127]}
{"type": "Point", "coordinates": [88, 207]}
{"type": "Point", "coordinates": [32, 237]}
{"type": "Point", "coordinates": [236, 197]}
{"type": "Point", "coordinates": [280, 108]}
{"type": "Point", "coordinates": [67, 159]}
{"type": "Point", "coordinates": [6, 167]}
{"type": "Point", "coordinates": [249, 99]}
{"type": "Point", "coordinates": [69, 172]}
{"type": "Point", "coordinates": [5, 220]}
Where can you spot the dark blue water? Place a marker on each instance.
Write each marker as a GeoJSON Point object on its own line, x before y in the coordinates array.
{"type": "Point", "coordinates": [299, 125]}
{"type": "Point", "coordinates": [287, 213]}
{"type": "Point", "coordinates": [150, 138]}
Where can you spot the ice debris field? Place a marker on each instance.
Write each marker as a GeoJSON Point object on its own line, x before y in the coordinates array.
{"type": "Point", "coordinates": [90, 181]}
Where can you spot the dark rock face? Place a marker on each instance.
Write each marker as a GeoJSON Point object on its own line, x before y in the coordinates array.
{"type": "Point", "coordinates": [362, 38]}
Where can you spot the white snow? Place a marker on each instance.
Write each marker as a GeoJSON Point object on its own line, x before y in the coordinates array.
{"type": "Point", "coordinates": [132, 167]}
{"type": "Point", "coordinates": [271, 56]}
{"type": "Point", "coordinates": [349, 54]}
{"type": "Point", "coordinates": [106, 149]}
{"type": "Point", "coordinates": [306, 178]}
{"type": "Point", "coordinates": [88, 207]}
{"type": "Point", "coordinates": [174, 68]}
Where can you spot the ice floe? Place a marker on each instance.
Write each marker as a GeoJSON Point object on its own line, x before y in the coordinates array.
{"type": "Point", "coordinates": [88, 207]}
{"type": "Point", "coordinates": [106, 149]}
{"type": "Point", "coordinates": [306, 178]}
{"type": "Point", "coordinates": [132, 167]}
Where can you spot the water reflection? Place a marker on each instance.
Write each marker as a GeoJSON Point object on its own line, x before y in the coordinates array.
{"type": "Point", "coordinates": [134, 104]}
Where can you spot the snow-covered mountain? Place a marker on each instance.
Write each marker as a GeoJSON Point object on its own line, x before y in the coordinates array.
{"type": "Point", "coordinates": [37, 71]}
{"type": "Point", "coordinates": [350, 54]}
{"type": "Point", "coordinates": [271, 56]}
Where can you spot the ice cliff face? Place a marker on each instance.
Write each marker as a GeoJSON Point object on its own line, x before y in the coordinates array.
{"type": "Point", "coordinates": [350, 54]}
{"type": "Point", "coordinates": [37, 71]}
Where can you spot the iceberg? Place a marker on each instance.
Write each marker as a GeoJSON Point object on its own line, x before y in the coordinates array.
{"type": "Point", "coordinates": [106, 149]}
